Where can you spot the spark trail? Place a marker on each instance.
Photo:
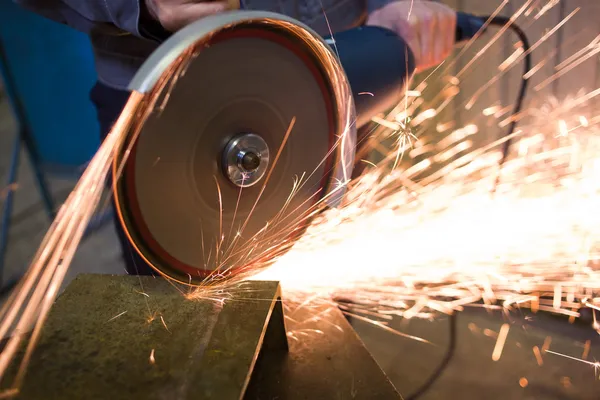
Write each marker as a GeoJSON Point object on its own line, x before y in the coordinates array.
{"type": "Point", "coordinates": [432, 237]}
{"type": "Point", "coordinates": [418, 234]}
{"type": "Point", "coordinates": [30, 302]}
{"type": "Point", "coordinates": [435, 247]}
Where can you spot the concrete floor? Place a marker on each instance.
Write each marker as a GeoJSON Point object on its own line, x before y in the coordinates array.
{"type": "Point", "coordinates": [471, 374]}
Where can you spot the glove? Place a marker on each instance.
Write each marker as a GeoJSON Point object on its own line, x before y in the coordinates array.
{"type": "Point", "coordinates": [427, 26]}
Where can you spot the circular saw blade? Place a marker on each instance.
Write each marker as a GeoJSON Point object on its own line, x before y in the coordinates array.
{"type": "Point", "coordinates": [253, 100]}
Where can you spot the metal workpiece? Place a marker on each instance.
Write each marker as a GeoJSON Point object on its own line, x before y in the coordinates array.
{"type": "Point", "coordinates": [326, 360]}
{"type": "Point", "coordinates": [126, 337]}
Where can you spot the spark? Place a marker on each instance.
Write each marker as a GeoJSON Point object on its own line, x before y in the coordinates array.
{"type": "Point", "coordinates": [491, 110]}
{"type": "Point", "coordinates": [596, 364]}
{"type": "Point", "coordinates": [473, 328]}
{"type": "Point", "coordinates": [386, 328]}
{"type": "Point", "coordinates": [586, 350]}
{"type": "Point", "coordinates": [538, 356]}
{"type": "Point", "coordinates": [521, 55]}
{"type": "Point", "coordinates": [40, 286]}
{"type": "Point", "coordinates": [557, 297]}
{"type": "Point", "coordinates": [447, 239]}
{"type": "Point", "coordinates": [563, 130]}
{"type": "Point", "coordinates": [511, 60]}
{"type": "Point", "coordinates": [444, 127]}
{"type": "Point", "coordinates": [592, 50]}
{"type": "Point", "coordinates": [496, 36]}
{"type": "Point", "coordinates": [546, 345]}
{"type": "Point", "coordinates": [164, 324]}
{"type": "Point", "coordinates": [523, 382]}
{"type": "Point", "coordinates": [387, 124]}
{"type": "Point", "coordinates": [566, 382]}
{"type": "Point", "coordinates": [500, 342]}
{"type": "Point", "coordinates": [422, 117]}
{"type": "Point", "coordinates": [117, 316]}
{"type": "Point", "coordinates": [548, 6]}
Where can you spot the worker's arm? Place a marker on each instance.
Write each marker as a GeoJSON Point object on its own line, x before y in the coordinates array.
{"type": "Point", "coordinates": [143, 18]}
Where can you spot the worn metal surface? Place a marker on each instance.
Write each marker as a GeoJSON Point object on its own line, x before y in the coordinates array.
{"type": "Point", "coordinates": [327, 360]}
{"type": "Point", "coordinates": [124, 337]}
{"type": "Point", "coordinates": [473, 374]}
{"type": "Point", "coordinates": [106, 339]}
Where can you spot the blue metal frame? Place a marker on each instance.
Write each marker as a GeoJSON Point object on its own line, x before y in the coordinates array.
{"type": "Point", "coordinates": [8, 201]}
{"type": "Point", "coordinates": [25, 141]}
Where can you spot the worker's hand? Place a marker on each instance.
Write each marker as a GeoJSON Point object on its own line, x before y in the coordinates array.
{"type": "Point", "coordinates": [428, 27]}
{"type": "Point", "coordinates": [175, 14]}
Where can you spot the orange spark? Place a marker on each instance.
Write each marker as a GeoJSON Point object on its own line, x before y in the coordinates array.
{"type": "Point", "coordinates": [523, 382]}
{"type": "Point", "coordinates": [500, 342]}
{"type": "Point", "coordinates": [538, 356]}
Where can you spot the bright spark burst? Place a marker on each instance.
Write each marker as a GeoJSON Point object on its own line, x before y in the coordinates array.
{"type": "Point", "coordinates": [447, 241]}
{"type": "Point", "coordinates": [424, 236]}
{"type": "Point", "coordinates": [431, 237]}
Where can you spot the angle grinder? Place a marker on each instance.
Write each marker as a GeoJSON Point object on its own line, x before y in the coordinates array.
{"type": "Point", "coordinates": [247, 129]}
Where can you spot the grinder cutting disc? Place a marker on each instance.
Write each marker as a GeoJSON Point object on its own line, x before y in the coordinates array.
{"type": "Point", "coordinates": [245, 131]}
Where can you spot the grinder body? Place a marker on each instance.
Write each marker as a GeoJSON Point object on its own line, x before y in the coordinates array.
{"type": "Point", "coordinates": [378, 64]}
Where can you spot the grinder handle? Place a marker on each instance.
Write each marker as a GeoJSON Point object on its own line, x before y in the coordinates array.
{"type": "Point", "coordinates": [379, 63]}
{"type": "Point", "coordinates": [467, 26]}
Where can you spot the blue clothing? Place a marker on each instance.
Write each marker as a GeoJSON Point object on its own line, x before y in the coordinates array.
{"type": "Point", "coordinates": [121, 44]}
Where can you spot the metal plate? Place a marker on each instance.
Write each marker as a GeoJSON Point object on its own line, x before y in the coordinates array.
{"type": "Point", "coordinates": [178, 205]}
{"type": "Point", "coordinates": [205, 350]}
